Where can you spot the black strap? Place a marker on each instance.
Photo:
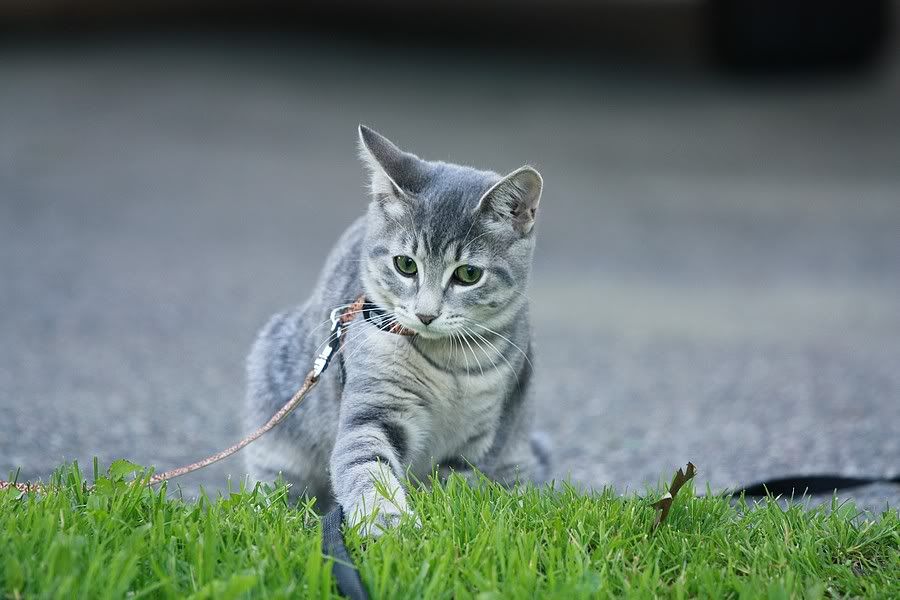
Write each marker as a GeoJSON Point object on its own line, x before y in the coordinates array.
{"type": "Point", "coordinates": [810, 484]}
{"type": "Point", "coordinates": [345, 573]}
{"type": "Point", "coordinates": [376, 315]}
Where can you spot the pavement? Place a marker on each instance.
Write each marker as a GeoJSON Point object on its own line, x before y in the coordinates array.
{"type": "Point", "coordinates": [717, 276]}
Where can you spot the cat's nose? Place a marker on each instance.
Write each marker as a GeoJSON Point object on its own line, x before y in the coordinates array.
{"type": "Point", "coordinates": [426, 318]}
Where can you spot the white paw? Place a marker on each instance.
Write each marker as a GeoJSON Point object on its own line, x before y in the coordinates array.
{"type": "Point", "coordinates": [375, 515]}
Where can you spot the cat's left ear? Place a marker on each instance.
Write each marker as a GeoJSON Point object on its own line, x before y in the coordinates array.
{"type": "Point", "coordinates": [394, 173]}
{"type": "Point", "coordinates": [515, 199]}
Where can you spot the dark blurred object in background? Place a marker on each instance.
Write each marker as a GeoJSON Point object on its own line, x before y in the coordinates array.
{"type": "Point", "coordinates": [780, 35]}
{"type": "Point", "coordinates": [737, 34]}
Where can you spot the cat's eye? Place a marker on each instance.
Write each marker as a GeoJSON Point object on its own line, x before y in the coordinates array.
{"type": "Point", "coordinates": [467, 274]}
{"type": "Point", "coordinates": [405, 265]}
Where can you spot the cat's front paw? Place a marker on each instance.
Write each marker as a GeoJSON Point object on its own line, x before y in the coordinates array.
{"type": "Point", "coordinates": [376, 514]}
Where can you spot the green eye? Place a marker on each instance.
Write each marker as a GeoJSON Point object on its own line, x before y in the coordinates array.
{"type": "Point", "coordinates": [405, 265]}
{"type": "Point", "coordinates": [467, 274]}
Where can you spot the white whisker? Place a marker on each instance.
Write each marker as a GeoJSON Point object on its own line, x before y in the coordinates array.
{"type": "Point", "coordinates": [480, 347]}
{"type": "Point", "coordinates": [466, 393]}
{"type": "Point", "coordinates": [349, 340]}
{"type": "Point", "coordinates": [467, 234]}
{"type": "Point", "coordinates": [328, 320]}
{"type": "Point", "coordinates": [347, 327]}
{"type": "Point", "coordinates": [500, 354]}
{"type": "Point", "coordinates": [450, 352]}
{"type": "Point", "coordinates": [480, 235]}
{"type": "Point", "coordinates": [465, 338]}
{"type": "Point", "coordinates": [347, 357]}
{"type": "Point", "coordinates": [500, 335]}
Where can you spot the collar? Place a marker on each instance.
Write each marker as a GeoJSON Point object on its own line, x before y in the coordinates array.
{"type": "Point", "coordinates": [371, 312]}
{"type": "Point", "coordinates": [382, 319]}
{"type": "Point", "coordinates": [374, 314]}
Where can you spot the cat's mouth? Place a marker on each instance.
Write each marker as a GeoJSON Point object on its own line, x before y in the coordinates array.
{"type": "Point", "coordinates": [398, 316]}
{"type": "Point", "coordinates": [429, 332]}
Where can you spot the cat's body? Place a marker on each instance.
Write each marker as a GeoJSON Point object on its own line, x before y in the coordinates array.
{"type": "Point", "coordinates": [456, 394]}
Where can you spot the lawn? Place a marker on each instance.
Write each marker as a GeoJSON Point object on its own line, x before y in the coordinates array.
{"type": "Point", "coordinates": [122, 539]}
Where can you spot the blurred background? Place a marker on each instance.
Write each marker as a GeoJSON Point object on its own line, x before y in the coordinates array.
{"type": "Point", "coordinates": [718, 268]}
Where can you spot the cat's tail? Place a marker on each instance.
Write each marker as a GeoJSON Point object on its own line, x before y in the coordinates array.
{"type": "Point", "coordinates": [540, 446]}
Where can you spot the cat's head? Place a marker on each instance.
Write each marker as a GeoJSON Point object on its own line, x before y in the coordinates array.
{"type": "Point", "coordinates": [448, 248]}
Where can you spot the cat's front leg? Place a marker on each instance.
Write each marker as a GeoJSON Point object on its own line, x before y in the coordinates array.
{"type": "Point", "coordinates": [367, 465]}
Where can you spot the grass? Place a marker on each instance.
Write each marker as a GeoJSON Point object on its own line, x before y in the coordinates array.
{"type": "Point", "coordinates": [121, 539]}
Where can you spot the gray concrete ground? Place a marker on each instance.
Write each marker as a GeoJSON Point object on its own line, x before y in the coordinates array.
{"type": "Point", "coordinates": [716, 280]}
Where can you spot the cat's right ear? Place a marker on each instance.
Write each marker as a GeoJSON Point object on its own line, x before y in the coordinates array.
{"type": "Point", "coordinates": [394, 174]}
{"type": "Point", "coordinates": [514, 199]}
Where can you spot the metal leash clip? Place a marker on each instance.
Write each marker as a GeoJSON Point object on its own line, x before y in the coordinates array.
{"type": "Point", "coordinates": [334, 341]}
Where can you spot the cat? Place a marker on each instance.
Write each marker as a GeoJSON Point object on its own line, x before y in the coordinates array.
{"type": "Point", "coordinates": [445, 251]}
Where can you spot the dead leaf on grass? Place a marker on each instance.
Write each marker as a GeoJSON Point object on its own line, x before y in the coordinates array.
{"type": "Point", "coordinates": [665, 503]}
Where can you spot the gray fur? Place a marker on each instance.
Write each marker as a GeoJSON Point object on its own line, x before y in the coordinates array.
{"type": "Point", "coordinates": [455, 395]}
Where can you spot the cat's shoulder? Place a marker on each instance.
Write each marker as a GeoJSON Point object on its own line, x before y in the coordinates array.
{"type": "Point", "coordinates": [347, 248]}
{"type": "Point", "coordinates": [339, 281]}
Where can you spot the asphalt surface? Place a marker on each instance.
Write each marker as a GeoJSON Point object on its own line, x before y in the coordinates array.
{"type": "Point", "coordinates": [717, 277]}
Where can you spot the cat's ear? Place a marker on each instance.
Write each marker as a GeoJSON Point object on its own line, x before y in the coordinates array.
{"type": "Point", "coordinates": [514, 199]}
{"type": "Point", "coordinates": [394, 173]}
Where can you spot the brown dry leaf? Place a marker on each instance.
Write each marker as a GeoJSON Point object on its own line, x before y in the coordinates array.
{"type": "Point", "coordinates": [665, 503]}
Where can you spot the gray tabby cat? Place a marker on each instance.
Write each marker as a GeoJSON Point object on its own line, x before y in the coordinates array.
{"type": "Point", "coordinates": [445, 251]}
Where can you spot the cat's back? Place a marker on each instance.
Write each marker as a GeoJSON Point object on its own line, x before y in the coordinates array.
{"type": "Point", "coordinates": [278, 362]}
{"type": "Point", "coordinates": [286, 345]}
{"type": "Point", "coordinates": [339, 281]}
